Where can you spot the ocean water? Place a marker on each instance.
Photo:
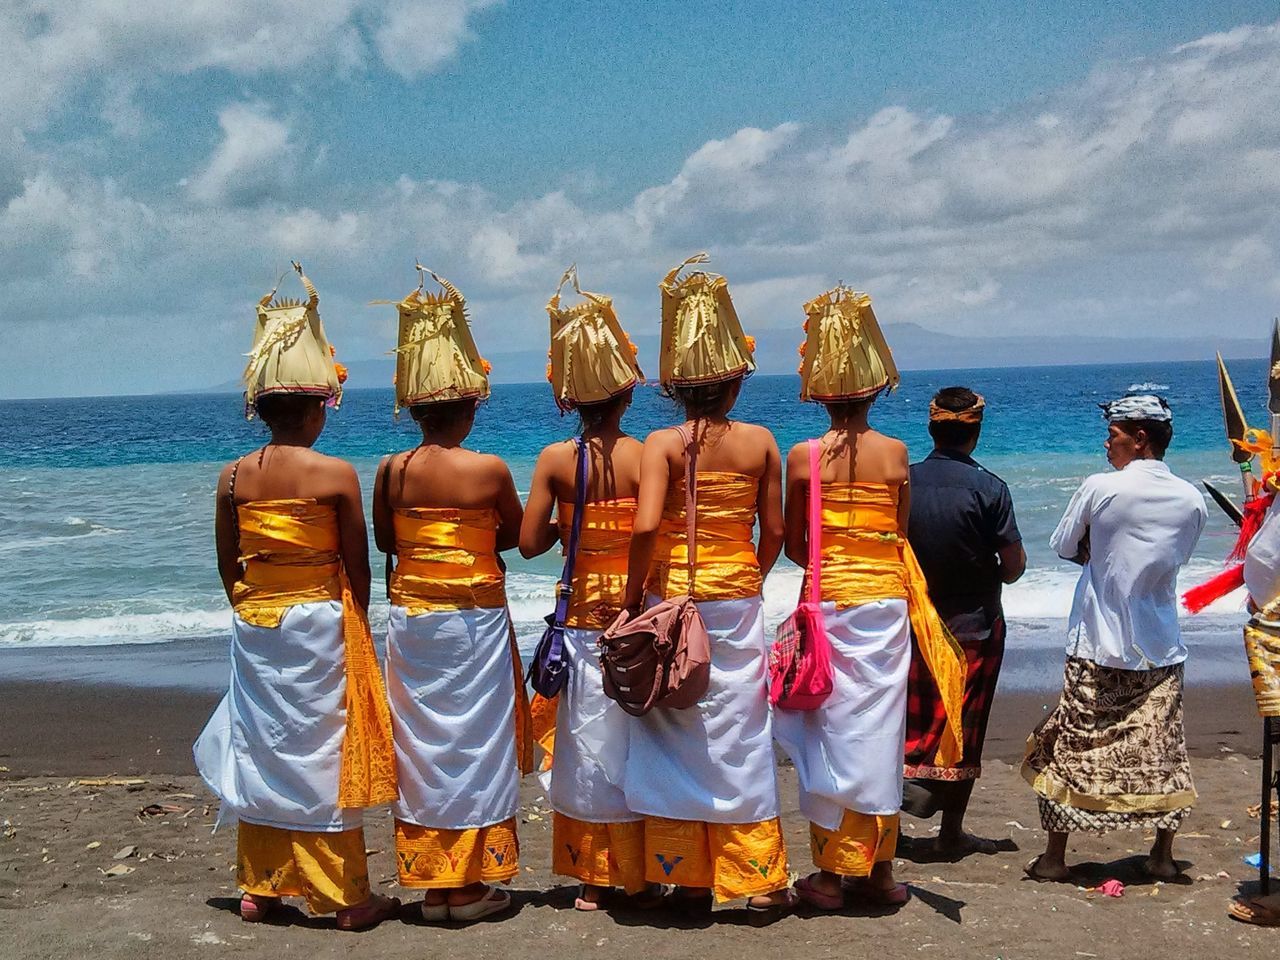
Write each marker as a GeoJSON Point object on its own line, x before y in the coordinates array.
{"type": "Point", "coordinates": [106, 505]}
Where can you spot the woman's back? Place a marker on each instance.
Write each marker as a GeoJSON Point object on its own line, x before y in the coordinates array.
{"type": "Point", "coordinates": [728, 446]}
{"type": "Point", "coordinates": [445, 477]}
{"type": "Point", "coordinates": [290, 473]}
{"type": "Point", "coordinates": [614, 472]}
{"type": "Point", "coordinates": [865, 456]}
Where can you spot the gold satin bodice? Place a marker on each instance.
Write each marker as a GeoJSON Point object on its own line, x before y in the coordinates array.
{"type": "Point", "coordinates": [861, 549]}
{"type": "Point", "coordinates": [727, 568]}
{"type": "Point", "coordinates": [446, 560]}
{"type": "Point", "coordinates": [600, 568]}
{"type": "Point", "coordinates": [289, 549]}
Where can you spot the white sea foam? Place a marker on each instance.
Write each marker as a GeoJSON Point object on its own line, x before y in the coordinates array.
{"type": "Point", "coordinates": [1147, 386]}
{"type": "Point", "coordinates": [120, 628]}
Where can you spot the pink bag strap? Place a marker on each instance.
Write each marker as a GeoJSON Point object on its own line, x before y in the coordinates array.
{"type": "Point", "coordinates": [815, 521]}
{"type": "Point", "coordinates": [690, 500]}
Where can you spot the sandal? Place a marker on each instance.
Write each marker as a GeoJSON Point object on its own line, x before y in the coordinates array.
{"type": "Point", "coordinates": [580, 902]}
{"type": "Point", "coordinates": [493, 901]}
{"type": "Point", "coordinates": [894, 896]}
{"type": "Point", "coordinates": [1255, 910]}
{"type": "Point", "coordinates": [255, 909]}
{"type": "Point", "coordinates": [762, 915]}
{"type": "Point", "coordinates": [435, 912]}
{"type": "Point", "coordinates": [368, 914]}
{"type": "Point", "coordinates": [1030, 871]}
{"type": "Point", "coordinates": [814, 897]}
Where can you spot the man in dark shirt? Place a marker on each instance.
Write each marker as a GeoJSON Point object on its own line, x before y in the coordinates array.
{"type": "Point", "coordinates": [963, 532]}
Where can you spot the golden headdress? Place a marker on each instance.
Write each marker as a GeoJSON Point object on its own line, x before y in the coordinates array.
{"type": "Point", "coordinates": [436, 358]}
{"type": "Point", "coordinates": [592, 358]}
{"type": "Point", "coordinates": [845, 355]}
{"type": "Point", "coordinates": [702, 340]}
{"type": "Point", "coordinates": [291, 353]}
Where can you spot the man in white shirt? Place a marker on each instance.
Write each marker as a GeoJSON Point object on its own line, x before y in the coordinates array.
{"type": "Point", "coordinates": [1113, 754]}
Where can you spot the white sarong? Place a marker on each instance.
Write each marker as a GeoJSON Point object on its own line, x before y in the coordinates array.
{"type": "Point", "coordinates": [713, 762]}
{"type": "Point", "coordinates": [848, 752]}
{"type": "Point", "coordinates": [591, 741]}
{"type": "Point", "coordinates": [452, 695]}
{"type": "Point", "coordinates": [272, 751]}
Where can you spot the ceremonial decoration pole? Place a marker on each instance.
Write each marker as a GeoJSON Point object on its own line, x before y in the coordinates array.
{"type": "Point", "coordinates": [1237, 427]}
{"type": "Point", "coordinates": [1270, 731]}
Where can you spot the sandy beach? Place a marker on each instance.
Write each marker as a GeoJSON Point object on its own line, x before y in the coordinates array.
{"type": "Point", "coordinates": [96, 773]}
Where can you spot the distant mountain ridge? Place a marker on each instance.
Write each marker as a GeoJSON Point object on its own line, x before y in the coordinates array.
{"type": "Point", "coordinates": [914, 348]}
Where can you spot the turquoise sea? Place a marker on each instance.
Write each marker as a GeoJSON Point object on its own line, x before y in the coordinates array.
{"type": "Point", "coordinates": [106, 506]}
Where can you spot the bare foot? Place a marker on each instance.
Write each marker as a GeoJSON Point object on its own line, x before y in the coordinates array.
{"type": "Point", "coordinates": [963, 845]}
{"type": "Point", "coordinates": [1047, 872]}
{"type": "Point", "coordinates": [590, 897]}
{"type": "Point", "coordinates": [1161, 868]}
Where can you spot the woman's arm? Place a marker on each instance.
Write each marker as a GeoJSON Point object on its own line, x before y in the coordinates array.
{"type": "Point", "coordinates": [384, 527]}
{"type": "Point", "coordinates": [655, 476]}
{"type": "Point", "coordinates": [230, 569]}
{"type": "Point", "coordinates": [510, 512]}
{"type": "Point", "coordinates": [796, 516]}
{"type": "Point", "coordinates": [769, 505]}
{"type": "Point", "coordinates": [353, 536]}
{"type": "Point", "coordinates": [537, 531]}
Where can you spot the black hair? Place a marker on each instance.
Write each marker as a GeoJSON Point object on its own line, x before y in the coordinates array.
{"type": "Point", "coordinates": [954, 433]}
{"type": "Point", "coordinates": [592, 415]}
{"type": "Point", "coordinates": [705, 399]}
{"type": "Point", "coordinates": [286, 411]}
{"type": "Point", "coordinates": [442, 415]}
{"type": "Point", "coordinates": [844, 409]}
{"type": "Point", "coordinates": [1159, 433]}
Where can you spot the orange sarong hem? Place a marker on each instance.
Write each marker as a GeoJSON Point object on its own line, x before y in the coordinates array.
{"type": "Point", "coordinates": [600, 854]}
{"type": "Point", "coordinates": [431, 858]}
{"type": "Point", "coordinates": [733, 860]}
{"type": "Point", "coordinates": [328, 869]}
{"type": "Point", "coordinates": [861, 841]}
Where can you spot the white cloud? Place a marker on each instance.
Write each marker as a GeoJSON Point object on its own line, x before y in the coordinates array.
{"type": "Point", "coordinates": [1099, 208]}
{"type": "Point", "coordinates": [417, 36]}
{"type": "Point", "coordinates": [253, 157]}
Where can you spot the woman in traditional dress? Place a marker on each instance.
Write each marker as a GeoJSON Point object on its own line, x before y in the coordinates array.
{"type": "Point", "coordinates": [445, 513]}
{"type": "Point", "coordinates": [596, 838]}
{"type": "Point", "coordinates": [704, 778]}
{"type": "Point", "coordinates": [302, 740]}
{"type": "Point", "coordinates": [848, 751]}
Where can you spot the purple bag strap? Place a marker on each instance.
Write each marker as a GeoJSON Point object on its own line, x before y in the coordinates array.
{"type": "Point", "coordinates": [815, 521]}
{"type": "Point", "coordinates": [564, 589]}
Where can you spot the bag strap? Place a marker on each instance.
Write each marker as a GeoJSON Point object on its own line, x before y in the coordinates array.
{"type": "Point", "coordinates": [690, 501]}
{"type": "Point", "coordinates": [564, 589]}
{"type": "Point", "coordinates": [815, 521]}
{"type": "Point", "coordinates": [231, 501]}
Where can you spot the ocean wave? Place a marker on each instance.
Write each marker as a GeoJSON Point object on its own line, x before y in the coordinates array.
{"type": "Point", "coordinates": [32, 534]}
{"type": "Point", "coordinates": [1147, 386]}
{"type": "Point", "coordinates": [122, 628]}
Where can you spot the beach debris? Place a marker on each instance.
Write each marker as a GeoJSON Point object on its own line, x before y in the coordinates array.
{"type": "Point", "coordinates": [119, 870]}
{"type": "Point", "coordinates": [1253, 860]}
{"type": "Point", "coordinates": [93, 845]}
{"type": "Point", "coordinates": [124, 853]}
{"type": "Point", "coordinates": [110, 782]}
{"type": "Point", "coordinates": [160, 810]}
{"type": "Point", "coordinates": [1225, 825]}
{"type": "Point", "coordinates": [9, 831]}
{"type": "Point", "coordinates": [181, 796]}
{"type": "Point", "coordinates": [1223, 875]}
{"type": "Point", "coordinates": [4, 769]}
{"type": "Point", "coordinates": [1109, 888]}
{"type": "Point", "coordinates": [1255, 811]}
{"type": "Point", "coordinates": [1015, 824]}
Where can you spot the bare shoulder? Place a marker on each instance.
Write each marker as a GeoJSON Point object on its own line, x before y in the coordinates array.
{"type": "Point", "coordinates": [755, 432]}
{"type": "Point", "coordinates": [664, 439]}
{"type": "Point", "coordinates": [556, 454]}
{"type": "Point", "coordinates": [224, 478]}
{"type": "Point", "coordinates": [333, 467]}
{"type": "Point", "coordinates": [492, 465]}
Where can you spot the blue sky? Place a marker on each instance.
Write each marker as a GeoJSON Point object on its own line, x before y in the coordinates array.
{"type": "Point", "coordinates": [978, 168]}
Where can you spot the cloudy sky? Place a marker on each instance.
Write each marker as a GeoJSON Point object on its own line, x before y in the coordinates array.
{"type": "Point", "coordinates": [979, 168]}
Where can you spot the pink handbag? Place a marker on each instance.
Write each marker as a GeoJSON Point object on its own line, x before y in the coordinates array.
{"type": "Point", "coordinates": [800, 661]}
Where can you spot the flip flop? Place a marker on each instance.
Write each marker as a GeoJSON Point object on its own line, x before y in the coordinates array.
{"type": "Point", "coordinates": [369, 914]}
{"type": "Point", "coordinates": [494, 901]}
{"type": "Point", "coordinates": [894, 896]}
{"type": "Point", "coordinates": [814, 897]}
{"type": "Point", "coordinates": [1253, 910]}
{"type": "Point", "coordinates": [254, 909]}
{"type": "Point", "coordinates": [434, 912]}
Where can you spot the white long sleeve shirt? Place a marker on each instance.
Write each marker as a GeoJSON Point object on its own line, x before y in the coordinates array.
{"type": "Point", "coordinates": [1142, 523]}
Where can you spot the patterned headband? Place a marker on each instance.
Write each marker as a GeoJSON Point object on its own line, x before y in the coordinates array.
{"type": "Point", "coordinates": [971, 414]}
{"type": "Point", "coordinates": [1143, 406]}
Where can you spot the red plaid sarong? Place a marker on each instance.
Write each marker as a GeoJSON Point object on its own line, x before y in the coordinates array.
{"type": "Point", "coordinates": [926, 718]}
